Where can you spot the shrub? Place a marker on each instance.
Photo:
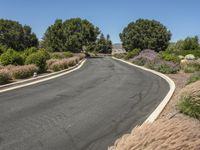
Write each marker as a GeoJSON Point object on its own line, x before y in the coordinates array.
{"type": "Point", "coordinates": [132, 53]}
{"type": "Point", "coordinates": [193, 78]}
{"type": "Point", "coordinates": [191, 67]}
{"type": "Point", "coordinates": [21, 72]}
{"type": "Point", "coordinates": [3, 48]}
{"type": "Point", "coordinates": [61, 55]}
{"type": "Point", "coordinates": [39, 59]}
{"type": "Point", "coordinates": [166, 68]}
{"type": "Point", "coordinates": [5, 76]}
{"type": "Point", "coordinates": [190, 105]}
{"type": "Point", "coordinates": [28, 52]}
{"type": "Point", "coordinates": [11, 57]}
{"type": "Point", "coordinates": [196, 53]}
{"type": "Point", "coordinates": [81, 56]}
{"type": "Point", "coordinates": [119, 55]}
{"type": "Point", "coordinates": [1, 67]}
{"type": "Point", "coordinates": [57, 65]}
{"type": "Point", "coordinates": [166, 55]}
{"type": "Point", "coordinates": [50, 62]}
{"type": "Point", "coordinates": [145, 57]}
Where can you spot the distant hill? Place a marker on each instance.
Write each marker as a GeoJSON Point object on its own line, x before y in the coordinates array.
{"type": "Point", "coordinates": [117, 48]}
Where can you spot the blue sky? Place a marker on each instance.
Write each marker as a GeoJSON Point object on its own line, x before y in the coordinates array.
{"type": "Point", "coordinates": [182, 17]}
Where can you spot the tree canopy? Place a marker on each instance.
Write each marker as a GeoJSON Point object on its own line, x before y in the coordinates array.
{"type": "Point", "coordinates": [70, 35]}
{"type": "Point", "coordinates": [14, 35]}
{"type": "Point", "coordinates": [145, 34]}
{"type": "Point", "coordinates": [104, 45]}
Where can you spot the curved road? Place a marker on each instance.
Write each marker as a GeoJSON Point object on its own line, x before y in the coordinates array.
{"type": "Point", "coordinates": [84, 110]}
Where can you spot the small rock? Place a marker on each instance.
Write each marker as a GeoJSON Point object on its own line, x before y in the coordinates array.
{"type": "Point", "coordinates": [190, 57]}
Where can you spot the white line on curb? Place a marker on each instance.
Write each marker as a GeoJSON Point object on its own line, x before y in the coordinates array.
{"type": "Point", "coordinates": [154, 115]}
{"type": "Point", "coordinates": [42, 80]}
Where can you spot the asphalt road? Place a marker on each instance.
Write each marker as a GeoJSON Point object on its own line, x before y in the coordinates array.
{"type": "Point", "coordinates": [84, 110]}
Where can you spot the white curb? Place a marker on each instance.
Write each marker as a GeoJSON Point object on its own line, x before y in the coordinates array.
{"type": "Point", "coordinates": [154, 115]}
{"type": "Point", "coordinates": [42, 78]}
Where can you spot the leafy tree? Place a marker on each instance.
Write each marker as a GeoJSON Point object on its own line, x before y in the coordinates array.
{"type": "Point", "coordinates": [14, 35]}
{"type": "Point", "coordinates": [104, 45]}
{"type": "Point", "coordinates": [145, 34]}
{"type": "Point", "coordinates": [191, 43]}
{"type": "Point", "coordinates": [70, 35]}
{"type": "Point", "coordinates": [54, 39]}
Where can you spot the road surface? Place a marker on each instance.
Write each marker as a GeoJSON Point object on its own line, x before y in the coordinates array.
{"type": "Point", "coordinates": [84, 110]}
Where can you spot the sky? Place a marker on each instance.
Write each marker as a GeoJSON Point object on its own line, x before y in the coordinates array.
{"type": "Point", "coordinates": [181, 17]}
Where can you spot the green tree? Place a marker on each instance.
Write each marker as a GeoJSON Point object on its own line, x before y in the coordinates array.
{"type": "Point", "coordinates": [191, 43]}
{"type": "Point", "coordinates": [145, 34]}
{"type": "Point", "coordinates": [54, 39]}
{"type": "Point", "coordinates": [14, 35]}
{"type": "Point", "coordinates": [104, 45]}
{"type": "Point", "coordinates": [70, 35]}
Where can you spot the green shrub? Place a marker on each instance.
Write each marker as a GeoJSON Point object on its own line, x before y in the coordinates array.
{"type": "Point", "coordinates": [165, 68]}
{"type": "Point", "coordinates": [191, 68]}
{"type": "Point", "coordinates": [21, 72]}
{"type": "Point", "coordinates": [140, 62]}
{"type": "Point", "coordinates": [132, 53]}
{"type": "Point", "coordinates": [166, 55]}
{"type": "Point", "coordinates": [67, 54]}
{"type": "Point", "coordinates": [61, 55]}
{"type": "Point", "coordinates": [5, 76]}
{"type": "Point", "coordinates": [190, 105]}
{"type": "Point", "coordinates": [193, 78]}
{"type": "Point", "coordinates": [3, 48]}
{"type": "Point", "coordinates": [11, 57]}
{"type": "Point", "coordinates": [119, 55]}
{"type": "Point", "coordinates": [28, 52]}
{"type": "Point", "coordinates": [196, 53]}
{"type": "Point", "coordinates": [39, 59]}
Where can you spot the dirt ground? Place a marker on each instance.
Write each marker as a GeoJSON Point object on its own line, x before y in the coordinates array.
{"type": "Point", "coordinates": [171, 131]}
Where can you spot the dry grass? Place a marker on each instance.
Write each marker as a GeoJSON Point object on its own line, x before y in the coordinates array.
{"type": "Point", "coordinates": [178, 133]}
{"type": "Point", "coordinates": [21, 72]}
{"type": "Point", "coordinates": [5, 76]}
{"type": "Point", "coordinates": [57, 65]}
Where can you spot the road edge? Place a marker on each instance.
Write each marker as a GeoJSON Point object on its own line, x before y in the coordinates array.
{"type": "Point", "coordinates": [155, 114]}
{"type": "Point", "coordinates": [39, 79]}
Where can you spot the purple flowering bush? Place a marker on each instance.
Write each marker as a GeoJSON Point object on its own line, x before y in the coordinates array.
{"type": "Point", "coordinates": [145, 57]}
{"type": "Point", "coordinates": [152, 60]}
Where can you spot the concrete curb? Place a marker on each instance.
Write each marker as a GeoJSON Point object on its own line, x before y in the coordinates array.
{"type": "Point", "coordinates": [31, 81]}
{"type": "Point", "coordinates": [154, 115]}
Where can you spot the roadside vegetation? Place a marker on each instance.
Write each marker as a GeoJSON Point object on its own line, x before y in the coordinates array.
{"type": "Point", "coordinates": [147, 44]}
{"type": "Point", "coordinates": [64, 44]}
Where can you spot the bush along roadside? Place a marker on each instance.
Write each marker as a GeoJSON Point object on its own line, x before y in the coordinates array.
{"type": "Point", "coordinates": [10, 73]}
{"type": "Point", "coordinates": [194, 77]}
{"type": "Point", "coordinates": [60, 64]}
{"type": "Point", "coordinates": [190, 105]}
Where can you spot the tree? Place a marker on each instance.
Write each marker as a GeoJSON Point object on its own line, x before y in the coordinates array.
{"type": "Point", "coordinates": [145, 34]}
{"type": "Point", "coordinates": [104, 45]}
{"type": "Point", "coordinates": [15, 36]}
{"type": "Point", "coordinates": [70, 35]}
{"type": "Point", "coordinates": [191, 43]}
